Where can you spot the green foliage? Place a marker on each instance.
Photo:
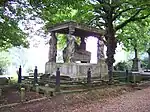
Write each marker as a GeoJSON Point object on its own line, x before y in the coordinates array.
{"type": "Point", "coordinates": [121, 66]}
{"type": "Point", "coordinates": [61, 43]}
{"type": "Point", "coordinates": [98, 13]}
{"type": "Point", "coordinates": [135, 35]}
{"type": "Point", "coordinates": [10, 34]}
{"type": "Point", "coordinates": [144, 62]}
{"type": "Point", "coordinates": [4, 62]}
{"type": "Point", "coordinates": [57, 11]}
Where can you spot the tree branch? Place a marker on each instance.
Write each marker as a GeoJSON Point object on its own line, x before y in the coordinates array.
{"type": "Point", "coordinates": [100, 1]}
{"type": "Point", "coordinates": [119, 14]}
{"type": "Point", "coordinates": [132, 18]}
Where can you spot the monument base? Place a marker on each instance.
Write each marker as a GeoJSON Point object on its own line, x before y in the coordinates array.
{"type": "Point", "coordinates": [78, 70]}
{"type": "Point", "coordinates": [136, 65]}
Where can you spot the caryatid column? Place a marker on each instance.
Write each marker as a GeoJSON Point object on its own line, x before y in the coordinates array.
{"type": "Point", "coordinates": [100, 50]}
{"type": "Point", "coordinates": [52, 48]}
{"type": "Point", "coordinates": [70, 44]}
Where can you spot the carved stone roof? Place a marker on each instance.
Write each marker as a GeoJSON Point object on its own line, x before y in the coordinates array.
{"type": "Point", "coordinates": [79, 29]}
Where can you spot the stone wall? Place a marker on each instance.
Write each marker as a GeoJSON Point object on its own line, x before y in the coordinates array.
{"type": "Point", "coordinates": [77, 70]}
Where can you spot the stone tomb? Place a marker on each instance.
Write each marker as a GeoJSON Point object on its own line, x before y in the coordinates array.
{"type": "Point", "coordinates": [74, 52]}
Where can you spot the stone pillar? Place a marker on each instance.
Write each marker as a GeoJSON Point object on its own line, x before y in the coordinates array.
{"type": "Point", "coordinates": [52, 48]}
{"type": "Point", "coordinates": [20, 75]}
{"type": "Point", "coordinates": [37, 88]}
{"type": "Point", "coordinates": [100, 50]}
{"type": "Point", "coordinates": [89, 76]}
{"type": "Point", "coordinates": [22, 93]}
{"type": "Point", "coordinates": [70, 45]}
{"type": "Point", "coordinates": [35, 75]}
{"type": "Point", "coordinates": [57, 87]}
{"type": "Point", "coordinates": [136, 66]}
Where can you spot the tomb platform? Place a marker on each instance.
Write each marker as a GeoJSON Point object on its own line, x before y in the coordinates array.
{"type": "Point", "coordinates": [78, 70]}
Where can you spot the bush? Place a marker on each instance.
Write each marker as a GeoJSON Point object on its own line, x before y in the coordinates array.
{"type": "Point", "coordinates": [14, 79]}
{"type": "Point", "coordinates": [121, 66]}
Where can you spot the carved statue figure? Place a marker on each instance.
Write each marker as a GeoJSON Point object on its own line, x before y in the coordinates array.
{"type": "Point", "coordinates": [74, 52]}
{"type": "Point", "coordinates": [100, 49]}
{"type": "Point", "coordinates": [52, 48]}
{"type": "Point", "coordinates": [69, 50]}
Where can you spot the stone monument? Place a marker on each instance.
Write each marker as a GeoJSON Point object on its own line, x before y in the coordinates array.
{"type": "Point", "coordinates": [74, 52]}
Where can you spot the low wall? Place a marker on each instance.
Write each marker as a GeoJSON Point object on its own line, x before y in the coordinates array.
{"type": "Point", "coordinates": [77, 70]}
{"type": "Point", "coordinates": [133, 75]}
{"type": "Point", "coordinates": [3, 81]}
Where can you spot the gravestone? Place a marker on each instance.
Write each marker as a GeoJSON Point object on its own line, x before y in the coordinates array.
{"type": "Point", "coordinates": [57, 80]}
{"type": "Point", "coordinates": [35, 75]}
{"type": "Point", "coordinates": [20, 75]}
{"type": "Point", "coordinates": [89, 76]}
{"type": "Point", "coordinates": [136, 65]}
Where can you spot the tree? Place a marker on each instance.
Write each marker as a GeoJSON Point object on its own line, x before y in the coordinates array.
{"type": "Point", "coordinates": [110, 15]}
{"type": "Point", "coordinates": [148, 51]}
{"type": "Point", "coordinates": [10, 34]}
{"type": "Point", "coordinates": [18, 55]}
{"type": "Point", "coordinates": [135, 37]}
{"type": "Point", "coordinates": [4, 62]}
{"type": "Point", "coordinates": [145, 62]}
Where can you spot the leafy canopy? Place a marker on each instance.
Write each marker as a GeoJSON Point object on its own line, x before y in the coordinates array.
{"type": "Point", "coordinates": [10, 34]}
{"type": "Point", "coordinates": [4, 61]}
{"type": "Point", "coordinates": [135, 35]}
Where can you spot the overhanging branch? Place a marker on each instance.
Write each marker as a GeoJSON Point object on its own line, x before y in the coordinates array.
{"type": "Point", "coordinates": [119, 14]}
{"type": "Point", "coordinates": [100, 1]}
{"type": "Point", "coordinates": [129, 20]}
{"type": "Point", "coordinates": [132, 18]}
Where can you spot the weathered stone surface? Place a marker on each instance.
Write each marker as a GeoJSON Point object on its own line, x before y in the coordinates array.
{"type": "Point", "coordinates": [22, 93]}
{"type": "Point", "coordinates": [52, 48]}
{"type": "Point", "coordinates": [73, 53]}
{"type": "Point", "coordinates": [78, 70]}
{"type": "Point", "coordinates": [100, 50]}
{"type": "Point", "coordinates": [136, 65]}
{"type": "Point", "coordinates": [70, 49]}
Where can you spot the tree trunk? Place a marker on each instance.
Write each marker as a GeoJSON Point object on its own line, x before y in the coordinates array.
{"type": "Point", "coordinates": [148, 58]}
{"type": "Point", "coordinates": [136, 53]}
{"type": "Point", "coordinates": [111, 47]}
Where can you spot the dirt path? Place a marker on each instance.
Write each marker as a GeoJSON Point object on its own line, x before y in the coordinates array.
{"type": "Point", "coordinates": [138, 101]}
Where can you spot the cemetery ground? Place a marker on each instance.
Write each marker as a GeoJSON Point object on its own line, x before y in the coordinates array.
{"type": "Point", "coordinates": [111, 98]}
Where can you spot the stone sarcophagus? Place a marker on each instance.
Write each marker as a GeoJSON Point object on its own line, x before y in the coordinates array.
{"type": "Point", "coordinates": [78, 55]}
{"type": "Point", "coordinates": [82, 55]}
{"type": "Point", "coordinates": [75, 51]}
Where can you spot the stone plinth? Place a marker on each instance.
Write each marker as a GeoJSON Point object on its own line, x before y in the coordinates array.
{"type": "Point", "coordinates": [77, 70]}
{"type": "Point", "coordinates": [136, 65]}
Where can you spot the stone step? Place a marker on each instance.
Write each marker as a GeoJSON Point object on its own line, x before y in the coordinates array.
{"type": "Point", "coordinates": [71, 91]}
